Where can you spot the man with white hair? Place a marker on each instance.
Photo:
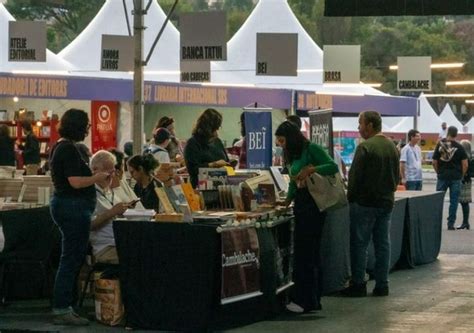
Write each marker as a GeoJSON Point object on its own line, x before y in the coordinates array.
{"type": "Point", "coordinates": [111, 202]}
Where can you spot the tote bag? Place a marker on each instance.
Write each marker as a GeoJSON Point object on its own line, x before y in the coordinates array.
{"type": "Point", "coordinates": [328, 192]}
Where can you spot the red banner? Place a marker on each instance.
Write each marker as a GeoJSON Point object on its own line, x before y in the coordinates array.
{"type": "Point", "coordinates": [104, 125]}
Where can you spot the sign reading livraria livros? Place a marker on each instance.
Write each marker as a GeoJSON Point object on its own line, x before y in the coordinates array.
{"type": "Point", "coordinates": [27, 41]}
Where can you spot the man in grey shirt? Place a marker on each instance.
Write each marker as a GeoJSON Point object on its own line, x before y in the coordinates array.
{"type": "Point", "coordinates": [410, 162]}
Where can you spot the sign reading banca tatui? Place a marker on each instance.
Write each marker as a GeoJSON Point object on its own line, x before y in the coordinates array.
{"type": "Point", "coordinates": [341, 64]}
{"type": "Point", "coordinates": [414, 74]}
{"type": "Point", "coordinates": [117, 53]}
{"type": "Point", "coordinates": [27, 41]}
{"type": "Point", "coordinates": [277, 54]}
{"type": "Point", "coordinates": [203, 36]}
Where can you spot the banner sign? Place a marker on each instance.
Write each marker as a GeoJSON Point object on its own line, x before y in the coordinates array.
{"type": "Point", "coordinates": [104, 125]}
{"type": "Point", "coordinates": [240, 265]}
{"type": "Point", "coordinates": [321, 129]}
{"type": "Point", "coordinates": [117, 53]}
{"type": "Point", "coordinates": [27, 41]}
{"type": "Point", "coordinates": [414, 74]}
{"type": "Point", "coordinates": [277, 54]}
{"type": "Point", "coordinates": [203, 36]}
{"type": "Point", "coordinates": [341, 64]}
{"type": "Point", "coordinates": [258, 139]}
{"type": "Point", "coordinates": [195, 71]}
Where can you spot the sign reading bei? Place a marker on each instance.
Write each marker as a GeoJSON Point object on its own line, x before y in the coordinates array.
{"type": "Point", "coordinates": [117, 53]}
{"type": "Point", "coordinates": [414, 74]}
{"type": "Point", "coordinates": [277, 54]}
{"type": "Point", "coordinates": [27, 41]}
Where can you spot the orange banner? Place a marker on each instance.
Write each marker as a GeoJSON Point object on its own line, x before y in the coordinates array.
{"type": "Point", "coordinates": [103, 125]}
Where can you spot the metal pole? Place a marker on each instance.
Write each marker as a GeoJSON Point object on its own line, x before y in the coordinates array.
{"type": "Point", "coordinates": [137, 114]}
{"type": "Point", "coordinates": [415, 120]}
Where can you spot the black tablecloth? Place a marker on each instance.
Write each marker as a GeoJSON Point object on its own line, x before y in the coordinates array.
{"type": "Point", "coordinates": [424, 221]}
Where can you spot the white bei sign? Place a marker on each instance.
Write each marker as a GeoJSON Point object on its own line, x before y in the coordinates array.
{"type": "Point", "coordinates": [414, 74]}
{"type": "Point", "coordinates": [277, 54]}
{"type": "Point", "coordinates": [203, 36]}
{"type": "Point", "coordinates": [341, 64]}
{"type": "Point", "coordinates": [117, 53]}
{"type": "Point", "coordinates": [27, 41]}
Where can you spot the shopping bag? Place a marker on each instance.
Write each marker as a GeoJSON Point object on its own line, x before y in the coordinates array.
{"type": "Point", "coordinates": [109, 309]}
{"type": "Point", "coordinates": [328, 192]}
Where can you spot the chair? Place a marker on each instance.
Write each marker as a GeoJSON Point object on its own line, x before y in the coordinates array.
{"type": "Point", "coordinates": [106, 268]}
{"type": "Point", "coordinates": [32, 244]}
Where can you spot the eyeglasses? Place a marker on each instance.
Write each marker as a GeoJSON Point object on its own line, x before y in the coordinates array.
{"type": "Point", "coordinates": [88, 126]}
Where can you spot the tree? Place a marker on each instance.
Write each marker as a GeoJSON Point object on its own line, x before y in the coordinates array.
{"type": "Point", "coordinates": [66, 19]}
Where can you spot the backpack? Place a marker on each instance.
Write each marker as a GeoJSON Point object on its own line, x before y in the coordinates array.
{"type": "Point", "coordinates": [470, 168]}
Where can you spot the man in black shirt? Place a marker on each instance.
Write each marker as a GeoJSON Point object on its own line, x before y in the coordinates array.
{"type": "Point", "coordinates": [450, 164]}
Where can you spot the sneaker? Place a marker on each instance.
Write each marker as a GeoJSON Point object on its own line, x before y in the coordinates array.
{"type": "Point", "coordinates": [451, 227]}
{"type": "Point", "coordinates": [295, 308]}
{"type": "Point", "coordinates": [355, 290]}
{"type": "Point", "coordinates": [70, 319]}
{"type": "Point", "coordinates": [380, 291]}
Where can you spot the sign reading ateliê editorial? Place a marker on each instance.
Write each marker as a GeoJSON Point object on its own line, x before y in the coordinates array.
{"type": "Point", "coordinates": [414, 74]}
{"type": "Point", "coordinates": [277, 54]}
{"type": "Point", "coordinates": [341, 64]}
{"type": "Point", "coordinates": [117, 53]}
{"type": "Point", "coordinates": [27, 41]}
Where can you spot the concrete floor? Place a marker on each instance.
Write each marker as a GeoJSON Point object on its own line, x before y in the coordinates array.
{"type": "Point", "coordinates": [437, 297]}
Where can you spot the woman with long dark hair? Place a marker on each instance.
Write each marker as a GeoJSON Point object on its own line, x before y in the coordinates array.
{"type": "Point", "coordinates": [72, 205]}
{"type": "Point", "coordinates": [304, 158]}
{"type": "Point", "coordinates": [204, 149]}
{"type": "Point", "coordinates": [141, 168]}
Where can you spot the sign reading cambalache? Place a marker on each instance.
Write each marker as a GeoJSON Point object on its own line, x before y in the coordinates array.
{"type": "Point", "coordinates": [27, 41]}
{"type": "Point", "coordinates": [117, 53]}
{"type": "Point", "coordinates": [414, 74]}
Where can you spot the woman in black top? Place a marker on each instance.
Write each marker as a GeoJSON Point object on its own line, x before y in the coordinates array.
{"type": "Point", "coordinates": [204, 149]}
{"type": "Point", "coordinates": [72, 205]}
{"type": "Point", "coordinates": [7, 147]}
{"type": "Point", "coordinates": [141, 168]}
{"type": "Point", "coordinates": [31, 150]}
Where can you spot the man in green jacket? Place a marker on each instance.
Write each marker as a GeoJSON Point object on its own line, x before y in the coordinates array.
{"type": "Point", "coordinates": [373, 180]}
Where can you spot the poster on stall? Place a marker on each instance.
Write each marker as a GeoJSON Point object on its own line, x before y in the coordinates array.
{"type": "Point", "coordinates": [240, 265]}
{"type": "Point", "coordinates": [258, 139]}
{"type": "Point", "coordinates": [104, 125]}
{"type": "Point", "coordinates": [321, 129]}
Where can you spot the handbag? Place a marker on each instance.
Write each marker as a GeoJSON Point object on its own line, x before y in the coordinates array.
{"type": "Point", "coordinates": [328, 192]}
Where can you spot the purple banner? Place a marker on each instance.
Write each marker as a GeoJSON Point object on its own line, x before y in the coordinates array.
{"type": "Point", "coordinates": [81, 88]}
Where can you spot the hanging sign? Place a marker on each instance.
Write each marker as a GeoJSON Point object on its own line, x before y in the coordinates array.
{"type": "Point", "coordinates": [258, 139]}
{"type": "Point", "coordinates": [27, 41]}
{"type": "Point", "coordinates": [341, 64]}
{"type": "Point", "coordinates": [104, 125]}
{"type": "Point", "coordinates": [321, 129]}
{"type": "Point", "coordinates": [414, 74]}
{"type": "Point", "coordinates": [203, 36]}
{"type": "Point", "coordinates": [117, 53]}
{"type": "Point", "coordinates": [195, 71]}
{"type": "Point", "coordinates": [277, 54]}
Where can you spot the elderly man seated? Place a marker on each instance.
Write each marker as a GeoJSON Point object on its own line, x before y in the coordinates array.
{"type": "Point", "coordinates": [114, 196]}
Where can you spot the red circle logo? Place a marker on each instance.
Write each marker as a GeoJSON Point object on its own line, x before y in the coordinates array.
{"type": "Point", "coordinates": [104, 114]}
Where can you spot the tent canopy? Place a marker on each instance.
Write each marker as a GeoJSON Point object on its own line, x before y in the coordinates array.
{"type": "Point", "coordinates": [428, 120]}
{"type": "Point", "coordinates": [449, 118]}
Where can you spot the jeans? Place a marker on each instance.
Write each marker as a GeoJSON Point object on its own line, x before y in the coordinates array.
{"type": "Point", "coordinates": [73, 217]}
{"type": "Point", "coordinates": [414, 185]}
{"type": "Point", "coordinates": [454, 192]}
{"type": "Point", "coordinates": [367, 223]}
{"type": "Point", "coordinates": [307, 274]}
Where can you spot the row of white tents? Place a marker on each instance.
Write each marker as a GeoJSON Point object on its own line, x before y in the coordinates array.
{"type": "Point", "coordinates": [82, 58]}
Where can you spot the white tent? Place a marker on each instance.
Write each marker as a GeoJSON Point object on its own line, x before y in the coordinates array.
{"type": "Point", "coordinates": [449, 118]}
{"type": "Point", "coordinates": [53, 65]}
{"type": "Point", "coordinates": [428, 120]}
{"type": "Point", "coordinates": [275, 16]}
{"type": "Point", "coordinates": [470, 125]}
{"type": "Point", "coordinates": [84, 51]}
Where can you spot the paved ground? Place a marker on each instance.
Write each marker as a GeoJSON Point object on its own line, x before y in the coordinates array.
{"type": "Point", "coordinates": [437, 297]}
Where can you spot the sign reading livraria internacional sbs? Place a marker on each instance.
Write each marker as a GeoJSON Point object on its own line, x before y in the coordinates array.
{"type": "Point", "coordinates": [277, 54]}
{"type": "Point", "coordinates": [341, 64]}
{"type": "Point", "coordinates": [414, 74]}
{"type": "Point", "coordinates": [203, 38]}
{"type": "Point", "coordinates": [27, 41]}
{"type": "Point", "coordinates": [117, 53]}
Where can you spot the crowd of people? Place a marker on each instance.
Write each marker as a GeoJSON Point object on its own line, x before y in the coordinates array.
{"type": "Point", "coordinates": [90, 194]}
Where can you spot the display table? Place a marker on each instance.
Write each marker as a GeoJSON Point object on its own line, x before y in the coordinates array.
{"type": "Point", "coordinates": [171, 275]}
